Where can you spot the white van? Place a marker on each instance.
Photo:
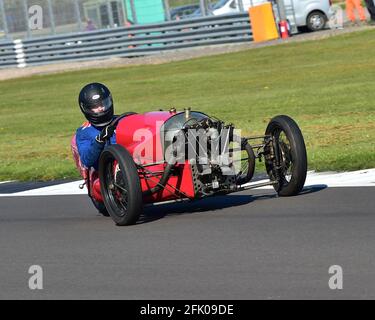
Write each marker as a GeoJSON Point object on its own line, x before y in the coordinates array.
{"type": "Point", "coordinates": [312, 14]}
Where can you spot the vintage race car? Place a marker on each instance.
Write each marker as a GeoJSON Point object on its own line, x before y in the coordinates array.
{"type": "Point", "coordinates": [169, 155]}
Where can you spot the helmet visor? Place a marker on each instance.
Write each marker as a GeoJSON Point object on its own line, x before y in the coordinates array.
{"type": "Point", "coordinates": [102, 106]}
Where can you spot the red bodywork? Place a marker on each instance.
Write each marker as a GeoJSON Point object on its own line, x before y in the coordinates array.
{"type": "Point", "coordinates": [90, 176]}
{"type": "Point", "coordinates": [140, 134]}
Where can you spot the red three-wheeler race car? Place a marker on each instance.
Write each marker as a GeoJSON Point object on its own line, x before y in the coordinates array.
{"type": "Point", "coordinates": [169, 155]}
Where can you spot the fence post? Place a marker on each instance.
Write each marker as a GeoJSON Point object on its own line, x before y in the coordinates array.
{"type": "Point", "coordinates": [110, 14]}
{"type": "Point", "coordinates": [4, 17]}
{"type": "Point", "coordinates": [167, 10]}
{"type": "Point", "coordinates": [281, 6]}
{"type": "Point", "coordinates": [26, 16]}
{"type": "Point", "coordinates": [51, 17]}
{"type": "Point", "coordinates": [202, 4]}
{"type": "Point", "coordinates": [124, 12]}
{"type": "Point", "coordinates": [78, 15]}
{"type": "Point", "coordinates": [240, 5]}
{"type": "Point", "coordinates": [134, 13]}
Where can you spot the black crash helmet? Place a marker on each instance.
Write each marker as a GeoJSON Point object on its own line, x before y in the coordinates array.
{"type": "Point", "coordinates": [93, 96]}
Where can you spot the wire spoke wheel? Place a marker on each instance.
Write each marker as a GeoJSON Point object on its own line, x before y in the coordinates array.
{"type": "Point", "coordinates": [100, 207]}
{"type": "Point", "coordinates": [120, 185]}
{"type": "Point", "coordinates": [288, 165]}
{"type": "Point", "coordinates": [285, 155]}
{"type": "Point", "coordinates": [117, 188]}
{"type": "Point", "coordinates": [246, 167]}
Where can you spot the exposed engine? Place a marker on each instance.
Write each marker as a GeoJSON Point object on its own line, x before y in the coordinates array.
{"type": "Point", "coordinates": [211, 147]}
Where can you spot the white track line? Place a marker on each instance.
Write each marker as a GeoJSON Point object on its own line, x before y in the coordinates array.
{"type": "Point", "coordinates": [71, 188]}
{"type": "Point", "coordinates": [362, 178]}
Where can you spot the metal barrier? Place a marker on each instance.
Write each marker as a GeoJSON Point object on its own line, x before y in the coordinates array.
{"type": "Point", "coordinates": [139, 40]}
{"type": "Point", "coordinates": [8, 56]}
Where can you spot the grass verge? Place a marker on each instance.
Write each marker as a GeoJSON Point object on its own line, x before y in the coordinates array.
{"type": "Point", "coordinates": [326, 86]}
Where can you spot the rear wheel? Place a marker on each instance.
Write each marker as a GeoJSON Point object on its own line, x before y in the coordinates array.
{"type": "Point", "coordinates": [120, 185]}
{"type": "Point", "coordinates": [247, 168]}
{"type": "Point", "coordinates": [289, 147]}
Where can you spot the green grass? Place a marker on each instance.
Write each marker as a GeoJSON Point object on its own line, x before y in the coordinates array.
{"type": "Point", "coordinates": [326, 85]}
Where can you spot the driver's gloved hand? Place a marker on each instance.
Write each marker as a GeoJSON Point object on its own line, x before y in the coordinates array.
{"type": "Point", "coordinates": [105, 135]}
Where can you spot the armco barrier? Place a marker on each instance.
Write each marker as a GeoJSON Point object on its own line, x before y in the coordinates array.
{"type": "Point", "coordinates": [139, 40]}
{"type": "Point", "coordinates": [8, 55]}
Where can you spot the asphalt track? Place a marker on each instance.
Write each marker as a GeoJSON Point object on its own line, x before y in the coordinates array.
{"type": "Point", "coordinates": [250, 245]}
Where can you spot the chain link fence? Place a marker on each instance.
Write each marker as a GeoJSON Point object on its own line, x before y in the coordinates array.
{"type": "Point", "coordinates": [20, 19]}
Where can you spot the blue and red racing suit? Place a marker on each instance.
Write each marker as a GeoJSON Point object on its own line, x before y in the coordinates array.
{"type": "Point", "coordinates": [88, 148]}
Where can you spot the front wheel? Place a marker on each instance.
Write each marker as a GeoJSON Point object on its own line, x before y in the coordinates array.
{"type": "Point", "coordinates": [286, 159]}
{"type": "Point", "coordinates": [120, 185]}
{"type": "Point", "coordinates": [100, 207]}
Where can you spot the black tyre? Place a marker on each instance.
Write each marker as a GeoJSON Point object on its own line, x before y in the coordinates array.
{"type": "Point", "coordinates": [289, 144]}
{"type": "Point", "coordinates": [247, 164]}
{"type": "Point", "coordinates": [120, 185]}
{"type": "Point", "coordinates": [316, 21]}
{"type": "Point", "coordinates": [100, 207]}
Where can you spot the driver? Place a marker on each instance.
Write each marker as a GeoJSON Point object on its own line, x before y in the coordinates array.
{"type": "Point", "coordinates": [96, 103]}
